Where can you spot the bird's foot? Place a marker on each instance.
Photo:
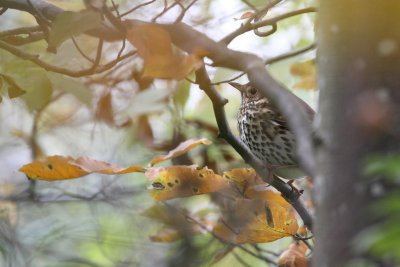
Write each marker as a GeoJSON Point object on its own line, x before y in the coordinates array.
{"type": "Point", "coordinates": [298, 191]}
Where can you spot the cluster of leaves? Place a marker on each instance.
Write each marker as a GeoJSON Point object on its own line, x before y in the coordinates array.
{"type": "Point", "coordinates": [256, 214]}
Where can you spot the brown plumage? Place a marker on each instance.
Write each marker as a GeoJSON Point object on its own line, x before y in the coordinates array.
{"type": "Point", "coordinates": [264, 130]}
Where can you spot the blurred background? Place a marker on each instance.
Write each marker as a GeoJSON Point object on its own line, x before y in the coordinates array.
{"type": "Point", "coordinates": [122, 118]}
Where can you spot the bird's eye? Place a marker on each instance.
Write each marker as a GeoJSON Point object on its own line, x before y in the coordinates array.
{"type": "Point", "coordinates": [252, 91]}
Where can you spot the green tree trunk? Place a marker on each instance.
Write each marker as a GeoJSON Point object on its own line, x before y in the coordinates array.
{"type": "Point", "coordinates": [359, 77]}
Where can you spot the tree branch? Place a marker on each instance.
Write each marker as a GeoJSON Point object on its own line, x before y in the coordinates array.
{"type": "Point", "coordinates": [49, 11]}
{"type": "Point", "coordinates": [225, 132]}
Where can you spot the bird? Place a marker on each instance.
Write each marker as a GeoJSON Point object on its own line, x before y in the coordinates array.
{"type": "Point", "coordinates": [265, 131]}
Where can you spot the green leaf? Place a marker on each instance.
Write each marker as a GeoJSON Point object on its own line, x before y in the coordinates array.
{"type": "Point", "coordinates": [13, 88]}
{"type": "Point", "coordinates": [182, 94]}
{"type": "Point", "coordinates": [37, 86]}
{"type": "Point", "coordinates": [71, 86]}
{"type": "Point", "coordinates": [68, 24]}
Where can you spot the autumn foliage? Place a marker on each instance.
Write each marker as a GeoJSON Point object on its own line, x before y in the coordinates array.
{"type": "Point", "coordinates": [255, 214]}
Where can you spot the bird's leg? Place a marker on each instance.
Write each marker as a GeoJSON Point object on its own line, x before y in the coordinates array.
{"type": "Point", "coordinates": [271, 172]}
{"type": "Point", "coordinates": [290, 183]}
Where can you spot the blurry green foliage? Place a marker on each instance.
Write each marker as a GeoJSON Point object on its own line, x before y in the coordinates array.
{"type": "Point", "coordinates": [383, 239]}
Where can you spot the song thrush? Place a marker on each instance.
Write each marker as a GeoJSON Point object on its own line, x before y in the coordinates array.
{"type": "Point", "coordinates": [265, 131]}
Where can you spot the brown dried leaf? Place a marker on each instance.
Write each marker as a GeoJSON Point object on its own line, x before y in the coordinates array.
{"type": "Point", "coordinates": [161, 58]}
{"type": "Point", "coordinates": [182, 148]}
{"type": "Point", "coordinates": [104, 110]}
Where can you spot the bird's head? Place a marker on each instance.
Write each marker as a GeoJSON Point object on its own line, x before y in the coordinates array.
{"type": "Point", "coordinates": [249, 93]}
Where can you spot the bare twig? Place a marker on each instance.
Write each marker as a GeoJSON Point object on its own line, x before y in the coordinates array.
{"type": "Point", "coordinates": [22, 30]}
{"type": "Point", "coordinates": [80, 50]}
{"type": "Point", "coordinates": [248, 26]}
{"type": "Point", "coordinates": [115, 21]}
{"type": "Point", "coordinates": [19, 40]}
{"type": "Point", "coordinates": [136, 8]}
{"type": "Point", "coordinates": [184, 10]}
{"type": "Point", "coordinates": [35, 59]}
{"type": "Point", "coordinates": [165, 10]}
{"type": "Point", "coordinates": [274, 60]}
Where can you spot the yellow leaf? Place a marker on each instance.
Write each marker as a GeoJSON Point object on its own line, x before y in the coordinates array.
{"type": "Point", "coordinates": [161, 58]}
{"type": "Point", "coordinates": [182, 148]}
{"type": "Point", "coordinates": [183, 181]}
{"type": "Point", "coordinates": [243, 177]}
{"type": "Point", "coordinates": [60, 168]}
{"type": "Point", "coordinates": [304, 68]}
{"type": "Point", "coordinates": [307, 82]}
{"type": "Point", "coordinates": [261, 217]}
{"type": "Point", "coordinates": [306, 72]}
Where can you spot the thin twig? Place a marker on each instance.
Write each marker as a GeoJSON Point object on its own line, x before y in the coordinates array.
{"type": "Point", "coordinates": [274, 60]}
{"type": "Point", "coordinates": [183, 11]}
{"type": "Point", "coordinates": [136, 8]}
{"type": "Point", "coordinates": [22, 30]}
{"type": "Point", "coordinates": [240, 260]}
{"type": "Point", "coordinates": [19, 40]}
{"type": "Point", "coordinates": [115, 21]}
{"type": "Point", "coordinates": [35, 59]}
{"type": "Point", "coordinates": [165, 10]}
{"type": "Point", "coordinates": [242, 247]}
{"type": "Point", "coordinates": [80, 50]}
{"type": "Point", "coordinates": [248, 26]}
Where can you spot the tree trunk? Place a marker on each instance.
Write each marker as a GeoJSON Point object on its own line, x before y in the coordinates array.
{"type": "Point", "coordinates": [359, 78]}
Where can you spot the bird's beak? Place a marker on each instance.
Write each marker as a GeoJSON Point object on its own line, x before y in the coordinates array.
{"type": "Point", "coordinates": [238, 86]}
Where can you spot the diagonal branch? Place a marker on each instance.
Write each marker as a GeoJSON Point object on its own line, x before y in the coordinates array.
{"type": "Point", "coordinates": [225, 132]}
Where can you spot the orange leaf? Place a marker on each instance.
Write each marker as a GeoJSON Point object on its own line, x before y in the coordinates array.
{"type": "Point", "coordinates": [263, 218]}
{"type": "Point", "coordinates": [104, 110]}
{"type": "Point", "coordinates": [307, 82]}
{"type": "Point", "coordinates": [182, 148]}
{"type": "Point", "coordinates": [303, 68]}
{"type": "Point", "coordinates": [294, 256]}
{"type": "Point", "coordinates": [183, 181]}
{"type": "Point", "coordinates": [161, 58]}
{"type": "Point", "coordinates": [60, 168]}
{"type": "Point", "coordinates": [306, 72]}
